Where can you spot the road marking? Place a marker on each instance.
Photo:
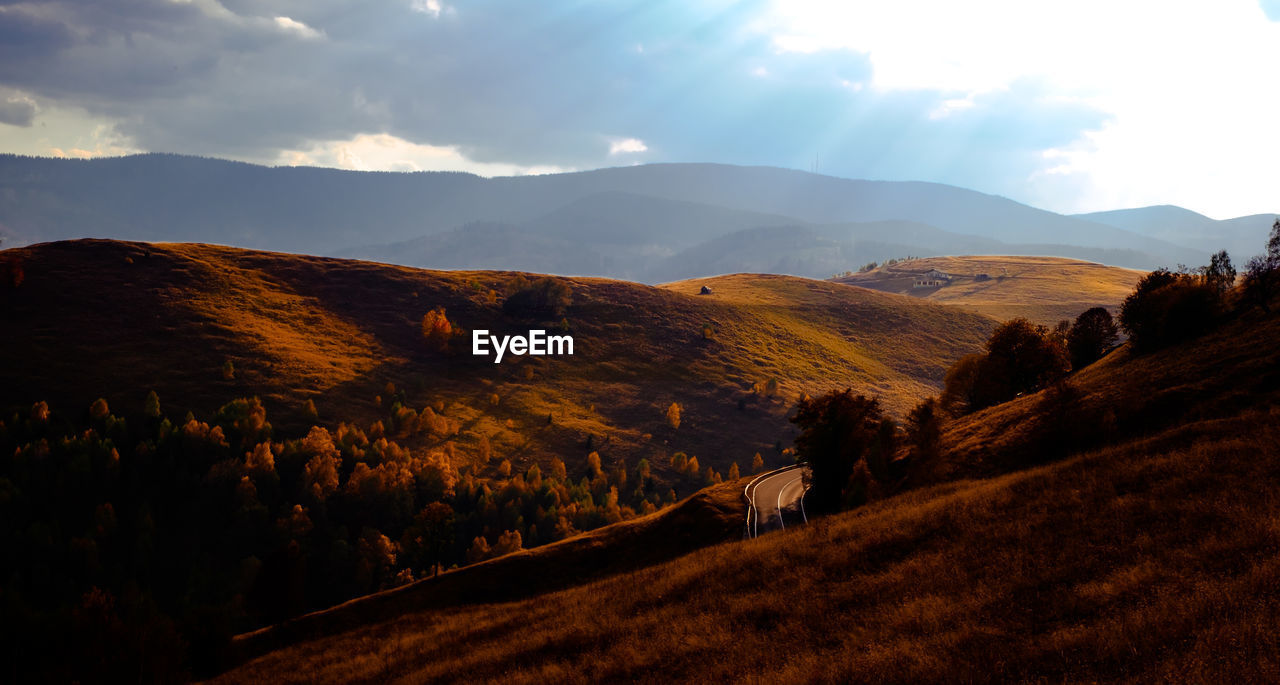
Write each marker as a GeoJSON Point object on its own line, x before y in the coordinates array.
{"type": "Point", "coordinates": [782, 490]}
{"type": "Point", "coordinates": [753, 512]}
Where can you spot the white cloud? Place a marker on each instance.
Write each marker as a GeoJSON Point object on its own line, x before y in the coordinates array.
{"type": "Point", "coordinates": [626, 146]}
{"type": "Point", "coordinates": [384, 152]}
{"type": "Point", "coordinates": [949, 107]}
{"type": "Point", "coordinates": [1188, 86]}
{"type": "Point", "coordinates": [431, 7]}
{"type": "Point", "coordinates": [296, 27]}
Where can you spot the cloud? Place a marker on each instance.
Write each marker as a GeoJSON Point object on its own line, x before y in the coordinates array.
{"type": "Point", "coordinates": [626, 145]}
{"type": "Point", "coordinates": [1063, 105]}
{"type": "Point", "coordinates": [383, 152]}
{"type": "Point", "coordinates": [1185, 87]}
{"type": "Point", "coordinates": [431, 7]}
{"type": "Point", "coordinates": [296, 27]}
{"type": "Point", "coordinates": [17, 109]}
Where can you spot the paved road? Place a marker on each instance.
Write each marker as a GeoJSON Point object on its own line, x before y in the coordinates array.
{"type": "Point", "coordinates": [776, 500]}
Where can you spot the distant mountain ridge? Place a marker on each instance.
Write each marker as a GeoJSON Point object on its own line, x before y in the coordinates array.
{"type": "Point", "coordinates": [1242, 236]}
{"type": "Point", "coordinates": [652, 222]}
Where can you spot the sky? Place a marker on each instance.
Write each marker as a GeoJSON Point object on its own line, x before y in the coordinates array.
{"type": "Point", "coordinates": [1070, 106]}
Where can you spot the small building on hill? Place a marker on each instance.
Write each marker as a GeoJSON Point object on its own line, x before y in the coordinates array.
{"type": "Point", "coordinates": [932, 279]}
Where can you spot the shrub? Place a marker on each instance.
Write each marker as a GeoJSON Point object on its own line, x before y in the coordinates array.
{"type": "Point", "coordinates": [673, 415]}
{"type": "Point", "coordinates": [99, 409]}
{"type": "Point", "coordinates": [544, 297]}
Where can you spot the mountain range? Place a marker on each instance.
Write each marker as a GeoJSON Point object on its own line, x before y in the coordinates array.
{"type": "Point", "coordinates": [650, 223]}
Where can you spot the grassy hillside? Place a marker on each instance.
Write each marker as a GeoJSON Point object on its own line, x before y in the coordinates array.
{"type": "Point", "coordinates": [1150, 558]}
{"type": "Point", "coordinates": [116, 320]}
{"type": "Point", "coordinates": [713, 515]}
{"type": "Point", "coordinates": [1043, 289]}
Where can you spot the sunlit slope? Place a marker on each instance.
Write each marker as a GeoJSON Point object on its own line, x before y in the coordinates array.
{"type": "Point", "coordinates": [1043, 289]}
{"type": "Point", "coordinates": [116, 320]}
{"type": "Point", "coordinates": [838, 336]}
{"type": "Point", "coordinates": [1153, 558]}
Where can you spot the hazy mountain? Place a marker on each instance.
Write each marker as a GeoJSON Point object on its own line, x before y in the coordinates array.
{"type": "Point", "coordinates": [620, 218]}
{"type": "Point", "coordinates": [1242, 236]}
{"type": "Point", "coordinates": [628, 215]}
{"type": "Point", "coordinates": [483, 245]}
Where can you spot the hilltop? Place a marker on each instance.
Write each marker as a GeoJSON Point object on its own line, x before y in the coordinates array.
{"type": "Point", "coordinates": [1145, 550]}
{"type": "Point", "coordinates": [1043, 289]}
{"type": "Point", "coordinates": [117, 320]}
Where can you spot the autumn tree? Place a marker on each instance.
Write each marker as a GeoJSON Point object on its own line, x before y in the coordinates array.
{"type": "Point", "coordinates": [1262, 274]}
{"type": "Point", "coordinates": [961, 388]}
{"type": "Point", "coordinates": [244, 421]}
{"type": "Point", "coordinates": [428, 538]}
{"type": "Point", "coordinates": [1092, 334]}
{"type": "Point", "coordinates": [151, 406]}
{"type": "Point", "coordinates": [1167, 307]}
{"type": "Point", "coordinates": [924, 428]}
{"type": "Point", "coordinates": [1219, 275]}
{"type": "Point", "coordinates": [437, 330]}
{"type": "Point", "coordinates": [673, 415]}
{"type": "Point", "coordinates": [1023, 359]}
{"type": "Point", "coordinates": [838, 430]}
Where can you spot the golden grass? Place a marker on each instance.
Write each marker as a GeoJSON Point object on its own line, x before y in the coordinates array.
{"type": "Point", "coordinates": [1043, 289]}
{"type": "Point", "coordinates": [115, 319]}
{"type": "Point", "coordinates": [1152, 559]}
{"type": "Point", "coordinates": [713, 515]}
{"type": "Point", "coordinates": [1215, 376]}
{"type": "Point", "coordinates": [1131, 563]}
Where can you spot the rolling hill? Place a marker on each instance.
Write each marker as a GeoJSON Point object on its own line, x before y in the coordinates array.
{"type": "Point", "coordinates": [1043, 289]}
{"type": "Point", "coordinates": [1144, 552]}
{"type": "Point", "coordinates": [117, 320]}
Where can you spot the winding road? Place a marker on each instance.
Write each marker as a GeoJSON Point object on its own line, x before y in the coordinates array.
{"type": "Point", "coordinates": [775, 500]}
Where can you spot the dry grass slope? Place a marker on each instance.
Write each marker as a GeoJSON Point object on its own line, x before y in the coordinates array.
{"type": "Point", "coordinates": [1153, 559]}
{"type": "Point", "coordinates": [1043, 289]}
{"type": "Point", "coordinates": [115, 319]}
{"type": "Point", "coordinates": [711, 516]}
